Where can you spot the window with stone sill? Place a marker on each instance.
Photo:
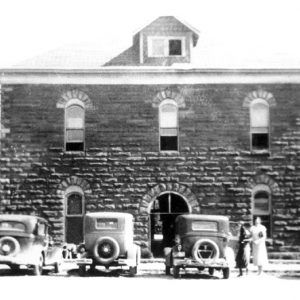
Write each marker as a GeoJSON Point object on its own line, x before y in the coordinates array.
{"type": "Point", "coordinates": [262, 206]}
{"type": "Point", "coordinates": [166, 46]}
{"type": "Point", "coordinates": [259, 126]}
{"type": "Point", "coordinates": [168, 125]}
{"type": "Point", "coordinates": [74, 126]}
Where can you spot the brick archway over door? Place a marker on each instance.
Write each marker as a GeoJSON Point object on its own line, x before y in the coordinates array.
{"type": "Point", "coordinates": [180, 189]}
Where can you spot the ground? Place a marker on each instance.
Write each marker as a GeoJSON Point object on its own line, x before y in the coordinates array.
{"type": "Point", "coordinates": [148, 285]}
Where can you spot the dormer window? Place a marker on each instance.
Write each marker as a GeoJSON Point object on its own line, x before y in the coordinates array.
{"type": "Point", "coordinates": [175, 47]}
{"type": "Point", "coordinates": [166, 46]}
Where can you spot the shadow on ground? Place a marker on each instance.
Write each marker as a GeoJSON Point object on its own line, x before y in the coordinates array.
{"type": "Point", "coordinates": [99, 273]}
{"type": "Point", "coordinates": [21, 272]}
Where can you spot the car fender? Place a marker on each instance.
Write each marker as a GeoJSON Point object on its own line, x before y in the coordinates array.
{"type": "Point", "coordinates": [168, 256]}
{"type": "Point", "coordinates": [53, 255]}
{"type": "Point", "coordinates": [33, 254]}
{"type": "Point", "coordinates": [133, 255]}
{"type": "Point", "coordinates": [229, 256]}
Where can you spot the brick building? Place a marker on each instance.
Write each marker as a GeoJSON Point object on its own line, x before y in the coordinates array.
{"type": "Point", "coordinates": [150, 134]}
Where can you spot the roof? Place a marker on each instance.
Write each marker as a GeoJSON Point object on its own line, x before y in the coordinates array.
{"type": "Point", "coordinates": [74, 56]}
{"type": "Point", "coordinates": [209, 53]}
{"type": "Point", "coordinates": [109, 215]}
{"type": "Point", "coordinates": [169, 22]}
{"type": "Point", "coordinates": [20, 218]}
{"type": "Point", "coordinates": [204, 56]}
{"type": "Point", "coordinates": [204, 217]}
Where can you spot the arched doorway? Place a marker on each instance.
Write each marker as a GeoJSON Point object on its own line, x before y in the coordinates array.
{"type": "Point", "coordinates": [163, 212]}
{"type": "Point", "coordinates": [74, 212]}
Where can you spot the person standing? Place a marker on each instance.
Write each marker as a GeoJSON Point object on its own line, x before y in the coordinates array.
{"type": "Point", "coordinates": [243, 255]}
{"type": "Point", "coordinates": [260, 256]}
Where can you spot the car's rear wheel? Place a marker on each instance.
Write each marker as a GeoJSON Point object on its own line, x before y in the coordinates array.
{"type": "Point", "coordinates": [92, 268]}
{"type": "Point", "coordinates": [226, 273]}
{"type": "Point", "coordinates": [38, 268]}
{"type": "Point", "coordinates": [106, 250]}
{"type": "Point", "coordinates": [15, 268]}
{"type": "Point", "coordinates": [211, 271]}
{"type": "Point", "coordinates": [176, 271]}
{"type": "Point", "coordinates": [57, 268]}
{"type": "Point", "coordinates": [82, 270]}
{"type": "Point", "coordinates": [168, 270]}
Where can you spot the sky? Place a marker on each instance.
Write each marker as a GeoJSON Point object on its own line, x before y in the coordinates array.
{"type": "Point", "coordinates": [33, 27]}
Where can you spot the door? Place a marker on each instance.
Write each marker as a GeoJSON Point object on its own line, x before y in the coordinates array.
{"type": "Point", "coordinates": [74, 218]}
{"type": "Point", "coordinates": [163, 213]}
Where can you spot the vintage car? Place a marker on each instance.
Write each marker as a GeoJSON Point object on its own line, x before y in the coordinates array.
{"type": "Point", "coordinates": [108, 241]}
{"type": "Point", "coordinates": [201, 242]}
{"type": "Point", "coordinates": [24, 241]}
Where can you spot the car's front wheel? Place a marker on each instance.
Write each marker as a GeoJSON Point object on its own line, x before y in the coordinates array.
{"type": "Point", "coordinates": [82, 270]}
{"type": "Point", "coordinates": [226, 273]}
{"type": "Point", "coordinates": [38, 268]}
{"type": "Point", "coordinates": [176, 271]}
{"type": "Point", "coordinates": [57, 268]}
{"type": "Point", "coordinates": [211, 271]}
{"type": "Point", "coordinates": [132, 271]}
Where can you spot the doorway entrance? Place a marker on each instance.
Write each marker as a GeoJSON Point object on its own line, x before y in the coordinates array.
{"type": "Point", "coordinates": [74, 218]}
{"type": "Point", "coordinates": [164, 210]}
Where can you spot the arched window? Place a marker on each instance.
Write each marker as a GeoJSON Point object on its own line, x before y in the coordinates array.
{"type": "Point", "coordinates": [74, 126]}
{"type": "Point", "coordinates": [262, 205]}
{"type": "Point", "coordinates": [74, 215]}
{"type": "Point", "coordinates": [259, 122]}
{"type": "Point", "coordinates": [168, 125]}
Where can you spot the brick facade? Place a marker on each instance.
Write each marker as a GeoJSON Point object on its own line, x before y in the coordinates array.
{"type": "Point", "coordinates": [122, 168]}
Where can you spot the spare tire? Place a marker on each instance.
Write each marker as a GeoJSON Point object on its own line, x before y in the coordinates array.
{"type": "Point", "coordinates": [106, 250]}
{"type": "Point", "coordinates": [205, 249]}
{"type": "Point", "coordinates": [9, 246]}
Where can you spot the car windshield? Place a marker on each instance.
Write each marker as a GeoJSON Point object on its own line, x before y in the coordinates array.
{"type": "Point", "coordinates": [11, 225]}
{"type": "Point", "coordinates": [205, 226]}
{"type": "Point", "coordinates": [107, 224]}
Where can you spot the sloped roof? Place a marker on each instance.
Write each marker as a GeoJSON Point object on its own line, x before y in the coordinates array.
{"type": "Point", "coordinates": [170, 22]}
{"type": "Point", "coordinates": [73, 56]}
{"type": "Point", "coordinates": [207, 54]}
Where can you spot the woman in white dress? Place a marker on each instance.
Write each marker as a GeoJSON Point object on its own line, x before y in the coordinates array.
{"type": "Point", "coordinates": [260, 257]}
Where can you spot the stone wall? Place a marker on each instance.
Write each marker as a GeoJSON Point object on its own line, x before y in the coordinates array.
{"type": "Point", "coordinates": [122, 168]}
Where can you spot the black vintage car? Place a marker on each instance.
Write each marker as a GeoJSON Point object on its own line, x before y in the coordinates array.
{"type": "Point", "coordinates": [108, 242]}
{"type": "Point", "coordinates": [25, 241]}
{"type": "Point", "coordinates": [202, 241]}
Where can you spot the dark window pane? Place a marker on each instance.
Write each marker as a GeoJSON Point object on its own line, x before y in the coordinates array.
{"type": "Point", "coordinates": [178, 205]}
{"type": "Point", "coordinates": [16, 226]}
{"type": "Point", "coordinates": [168, 143]}
{"type": "Point", "coordinates": [261, 194]}
{"type": "Point", "coordinates": [266, 221]}
{"type": "Point", "coordinates": [74, 230]}
{"type": "Point", "coordinates": [174, 47]}
{"type": "Point", "coordinates": [107, 223]}
{"type": "Point", "coordinates": [260, 141]}
{"type": "Point", "coordinates": [74, 147]}
{"type": "Point", "coordinates": [74, 205]}
{"type": "Point", "coordinates": [205, 226]}
{"type": "Point", "coordinates": [261, 203]}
